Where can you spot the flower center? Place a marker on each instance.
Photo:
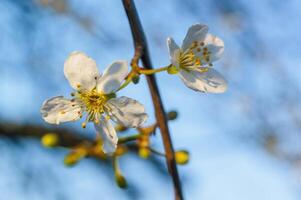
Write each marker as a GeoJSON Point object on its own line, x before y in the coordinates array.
{"type": "Point", "coordinates": [196, 55]}
{"type": "Point", "coordinates": [94, 104]}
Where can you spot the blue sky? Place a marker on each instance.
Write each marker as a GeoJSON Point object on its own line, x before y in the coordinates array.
{"type": "Point", "coordinates": [261, 51]}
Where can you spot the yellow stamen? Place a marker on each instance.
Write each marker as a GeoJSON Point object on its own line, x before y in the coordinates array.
{"type": "Point", "coordinates": [93, 103]}
{"type": "Point", "coordinates": [191, 58]}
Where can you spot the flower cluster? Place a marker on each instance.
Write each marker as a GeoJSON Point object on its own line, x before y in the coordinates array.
{"type": "Point", "coordinates": [95, 93]}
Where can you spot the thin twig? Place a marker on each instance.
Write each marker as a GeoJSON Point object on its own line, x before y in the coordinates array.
{"type": "Point", "coordinates": [67, 138]}
{"type": "Point", "coordinates": [142, 51]}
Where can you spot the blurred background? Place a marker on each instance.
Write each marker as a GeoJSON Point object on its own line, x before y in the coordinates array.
{"type": "Point", "coordinates": [244, 144]}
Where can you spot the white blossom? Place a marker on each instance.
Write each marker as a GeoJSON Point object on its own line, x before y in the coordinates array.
{"type": "Point", "coordinates": [193, 61]}
{"type": "Point", "coordinates": [95, 96]}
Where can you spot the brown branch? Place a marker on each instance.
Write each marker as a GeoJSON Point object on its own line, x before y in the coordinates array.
{"type": "Point", "coordinates": [67, 138]}
{"type": "Point", "coordinates": [142, 51]}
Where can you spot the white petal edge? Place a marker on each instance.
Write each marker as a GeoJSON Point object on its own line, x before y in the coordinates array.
{"type": "Point", "coordinates": [58, 109]}
{"type": "Point", "coordinates": [126, 111]}
{"type": "Point", "coordinates": [210, 81]}
{"type": "Point", "coordinates": [113, 77]}
{"type": "Point", "coordinates": [81, 71]}
{"type": "Point", "coordinates": [108, 135]}
{"type": "Point", "coordinates": [215, 46]}
{"type": "Point", "coordinates": [196, 32]}
{"type": "Point", "coordinates": [172, 47]}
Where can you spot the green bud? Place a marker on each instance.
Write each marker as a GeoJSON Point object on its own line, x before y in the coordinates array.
{"type": "Point", "coordinates": [136, 79]}
{"type": "Point", "coordinates": [182, 157]}
{"type": "Point", "coordinates": [172, 70]}
{"type": "Point", "coordinates": [50, 140]}
{"type": "Point", "coordinates": [120, 180]}
{"type": "Point", "coordinates": [172, 115]}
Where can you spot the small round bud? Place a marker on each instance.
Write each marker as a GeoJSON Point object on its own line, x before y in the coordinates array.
{"type": "Point", "coordinates": [182, 157]}
{"type": "Point", "coordinates": [50, 140]}
{"type": "Point", "coordinates": [172, 115]}
{"type": "Point", "coordinates": [136, 79]}
{"type": "Point", "coordinates": [144, 152]}
{"type": "Point", "coordinates": [120, 128]}
{"type": "Point", "coordinates": [120, 180]}
{"type": "Point", "coordinates": [172, 70]}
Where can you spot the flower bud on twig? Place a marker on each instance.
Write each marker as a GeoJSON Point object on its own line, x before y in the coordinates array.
{"type": "Point", "coordinates": [172, 115]}
{"type": "Point", "coordinates": [50, 140]}
{"type": "Point", "coordinates": [182, 157]}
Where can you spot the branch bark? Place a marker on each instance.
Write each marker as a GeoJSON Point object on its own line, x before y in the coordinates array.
{"type": "Point", "coordinates": [67, 138]}
{"type": "Point", "coordinates": [141, 51]}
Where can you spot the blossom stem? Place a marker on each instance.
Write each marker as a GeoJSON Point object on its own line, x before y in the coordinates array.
{"type": "Point", "coordinates": [152, 71]}
{"type": "Point", "coordinates": [128, 138]}
{"type": "Point", "coordinates": [137, 71]}
{"type": "Point", "coordinates": [127, 81]}
{"type": "Point", "coordinates": [156, 152]}
{"type": "Point", "coordinates": [115, 165]}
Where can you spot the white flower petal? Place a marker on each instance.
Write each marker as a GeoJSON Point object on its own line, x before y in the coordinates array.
{"type": "Point", "coordinates": [196, 32]}
{"type": "Point", "coordinates": [126, 111]}
{"type": "Point", "coordinates": [81, 71]}
{"type": "Point", "coordinates": [113, 77]}
{"type": "Point", "coordinates": [215, 46]}
{"type": "Point", "coordinates": [58, 109]}
{"type": "Point", "coordinates": [172, 47]}
{"type": "Point", "coordinates": [210, 81]}
{"type": "Point", "coordinates": [108, 135]}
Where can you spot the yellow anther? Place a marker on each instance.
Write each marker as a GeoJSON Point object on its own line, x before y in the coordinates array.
{"type": "Point", "coordinates": [78, 85]}
{"type": "Point", "coordinates": [62, 112]}
{"type": "Point", "coordinates": [197, 61]}
{"type": "Point", "coordinates": [93, 102]}
{"type": "Point", "coordinates": [84, 125]}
